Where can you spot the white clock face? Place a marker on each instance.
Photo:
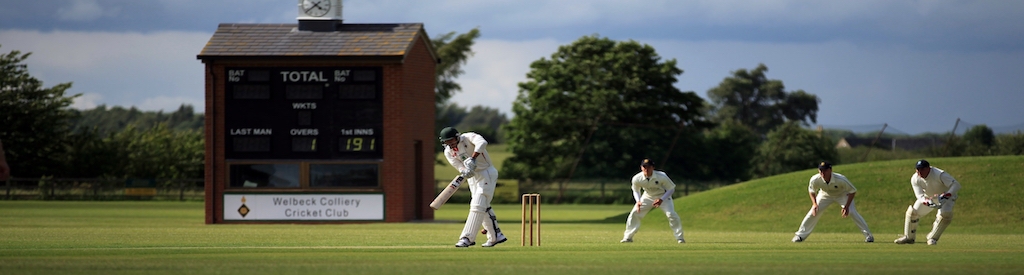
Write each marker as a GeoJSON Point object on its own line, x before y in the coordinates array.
{"type": "Point", "coordinates": [316, 8]}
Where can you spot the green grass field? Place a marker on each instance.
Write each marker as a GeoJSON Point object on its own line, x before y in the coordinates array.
{"type": "Point", "coordinates": [740, 229]}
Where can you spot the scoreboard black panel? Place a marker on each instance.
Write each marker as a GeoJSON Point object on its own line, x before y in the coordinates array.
{"type": "Point", "coordinates": [304, 113]}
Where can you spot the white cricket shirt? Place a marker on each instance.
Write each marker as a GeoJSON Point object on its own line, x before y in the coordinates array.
{"type": "Point", "coordinates": [837, 186]}
{"type": "Point", "coordinates": [657, 186]}
{"type": "Point", "coordinates": [469, 142]}
{"type": "Point", "coordinates": [937, 182]}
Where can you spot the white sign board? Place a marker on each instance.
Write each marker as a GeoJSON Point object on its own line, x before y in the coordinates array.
{"type": "Point", "coordinates": [303, 207]}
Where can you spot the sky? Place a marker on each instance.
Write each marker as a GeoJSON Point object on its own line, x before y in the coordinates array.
{"type": "Point", "coordinates": [916, 65]}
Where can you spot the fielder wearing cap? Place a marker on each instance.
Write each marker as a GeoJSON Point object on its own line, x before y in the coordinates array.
{"type": "Point", "coordinates": [657, 193]}
{"type": "Point", "coordinates": [467, 152]}
{"type": "Point", "coordinates": [826, 188]}
{"type": "Point", "coordinates": [933, 188]}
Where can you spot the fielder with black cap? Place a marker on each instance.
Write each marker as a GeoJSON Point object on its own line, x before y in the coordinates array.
{"type": "Point", "coordinates": [467, 152]}
{"type": "Point", "coordinates": [826, 188]}
{"type": "Point", "coordinates": [934, 189]}
{"type": "Point", "coordinates": [657, 193]}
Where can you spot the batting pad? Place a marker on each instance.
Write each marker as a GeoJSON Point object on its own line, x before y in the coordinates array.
{"type": "Point", "coordinates": [473, 223]}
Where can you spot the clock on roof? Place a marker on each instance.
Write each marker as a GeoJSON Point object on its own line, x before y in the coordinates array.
{"type": "Point", "coordinates": [320, 9]}
{"type": "Point", "coordinates": [316, 8]}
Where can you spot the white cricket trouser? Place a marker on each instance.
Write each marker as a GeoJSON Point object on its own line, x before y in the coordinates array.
{"type": "Point", "coordinates": [633, 222]}
{"type": "Point", "coordinates": [480, 214]}
{"type": "Point", "coordinates": [919, 209]}
{"type": "Point", "coordinates": [823, 202]}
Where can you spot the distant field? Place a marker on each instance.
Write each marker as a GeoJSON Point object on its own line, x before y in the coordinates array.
{"type": "Point", "coordinates": [59, 237]}
{"type": "Point", "coordinates": [990, 199]}
{"type": "Point", "coordinates": [738, 229]}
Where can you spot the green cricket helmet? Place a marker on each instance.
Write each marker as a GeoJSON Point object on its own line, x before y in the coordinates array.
{"type": "Point", "coordinates": [448, 133]}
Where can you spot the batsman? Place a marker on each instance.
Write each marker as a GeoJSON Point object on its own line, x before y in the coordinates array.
{"type": "Point", "coordinates": [934, 189]}
{"type": "Point", "coordinates": [467, 152]}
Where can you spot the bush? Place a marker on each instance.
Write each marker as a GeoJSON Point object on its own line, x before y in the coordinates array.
{"type": "Point", "coordinates": [1010, 144]}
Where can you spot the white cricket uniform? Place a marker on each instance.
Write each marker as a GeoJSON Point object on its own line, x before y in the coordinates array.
{"type": "Point", "coordinates": [659, 185]}
{"type": "Point", "coordinates": [481, 185]}
{"type": "Point", "coordinates": [835, 190]}
{"type": "Point", "coordinates": [938, 182]}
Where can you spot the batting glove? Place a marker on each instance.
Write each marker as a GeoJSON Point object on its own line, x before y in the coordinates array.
{"type": "Point", "coordinates": [934, 202]}
{"type": "Point", "coordinates": [470, 164]}
{"type": "Point", "coordinates": [467, 173]}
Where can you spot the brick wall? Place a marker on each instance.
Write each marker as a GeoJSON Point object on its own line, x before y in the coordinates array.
{"type": "Point", "coordinates": [419, 85]}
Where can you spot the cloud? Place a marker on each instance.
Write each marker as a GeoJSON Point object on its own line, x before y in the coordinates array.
{"type": "Point", "coordinates": [912, 90]}
{"type": "Point", "coordinates": [917, 65]}
{"type": "Point", "coordinates": [122, 69]}
{"type": "Point", "coordinates": [930, 25]}
{"type": "Point", "coordinates": [84, 10]}
{"type": "Point", "coordinates": [496, 68]}
{"type": "Point", "coordinates": [87, 101]}
{"type": "Point", "coordinates": [170, 104]}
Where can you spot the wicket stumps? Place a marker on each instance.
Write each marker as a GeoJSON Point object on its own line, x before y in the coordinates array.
{"type": "Point", "coordinates": [531, 200]}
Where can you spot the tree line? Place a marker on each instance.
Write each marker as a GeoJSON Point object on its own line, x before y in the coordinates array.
{"type": "Point", "coordinates": [44, 137]}
{"type": "Point", "coordinates": [596, 107]}
{"type": "Point", "coordinates": [592, 109]}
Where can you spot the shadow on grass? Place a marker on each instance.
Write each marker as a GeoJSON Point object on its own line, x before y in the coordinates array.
{"type": "Point", "coordinates": [621, 218]}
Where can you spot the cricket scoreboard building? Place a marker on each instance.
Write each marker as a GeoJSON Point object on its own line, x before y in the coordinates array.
{"type": "Point", "coordinates": [319, 121]}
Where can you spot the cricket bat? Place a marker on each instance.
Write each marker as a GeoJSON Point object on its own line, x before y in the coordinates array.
{"type": "Point", "coordinates": [446, 193]}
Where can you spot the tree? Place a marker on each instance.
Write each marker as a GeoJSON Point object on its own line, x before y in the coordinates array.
{"type": "Point", "coordinates": [603, 103]}
{"type": "Point", "coordinates": [980, 135]}
{"type": "Point", "coordinates": [791, 148]}
{"type": "Point", "coordinates": [485, 121]}
{"type": "Point", "coordinates": [733, 146]}
{"type": "Point", "coordinates": [157, 152]}
{"type": "Point", "coordinates": [980, 140]}
{"type": "Point", "coordinates": [453, 51]}
{"type": "Point", "coordinates": [34, 121]}
{"type": "Point", "coordinates": [91, 156]}
{"type": "Point", "coordinates": [480, 119]}
{"type": "Point", "coordinates": [1010, 144]}
{"type": "Point", "coordinates": [761, 103]}
{"type": "Point", "coordinates": [115, 119]}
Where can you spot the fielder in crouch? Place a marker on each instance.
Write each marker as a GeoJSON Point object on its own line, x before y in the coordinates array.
{"type": "Point", "coordinates": [934, 188]}
{"type": "Point", "coordinates": [657, 193]}
{"type": "Point", "coordinates": [824, 189]}
{"type": "Point", "coordinates": [467, 152]}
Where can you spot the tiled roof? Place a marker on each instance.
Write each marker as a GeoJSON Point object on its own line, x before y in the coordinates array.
{"type": "Point", "coordinates": [350, 40]}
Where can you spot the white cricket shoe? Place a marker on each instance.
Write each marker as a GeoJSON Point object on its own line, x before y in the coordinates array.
{"type": "Point", "coordinates": [904, 240]}
{"type": "Point", "coordinates": [464, 242]}
{"type": "Point", "coordinates": [501, 239]}
{"type": "Point", "coordinates": [626, 241]}
{"type": "Point", "coordinates": [797, 239]}
{"type": "Point", "coordinates": [869, 239]}
{"type": "Point", "coordinates": [933, 241]}
{"type": "Point", "coordinates": [681, 241]}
